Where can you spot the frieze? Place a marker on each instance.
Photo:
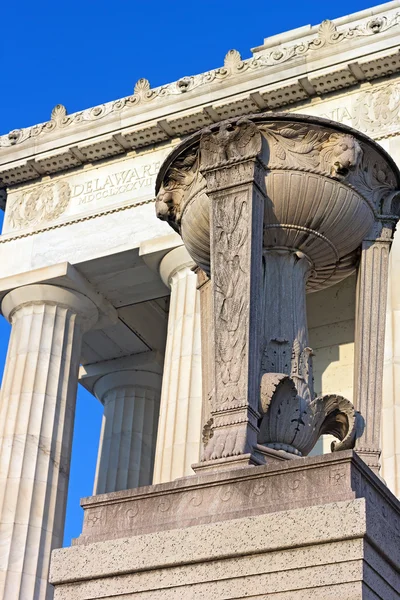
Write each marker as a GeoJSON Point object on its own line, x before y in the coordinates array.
{"type": "Point", "coordinates": [91, 190]}
{"type": "Point", "coordinates": [374, 111]}
{"type": "Point", "coordinates": [328, 35]}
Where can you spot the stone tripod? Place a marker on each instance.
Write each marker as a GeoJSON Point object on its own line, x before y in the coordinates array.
{"type": "Point", "coordinates": [36, 418]}
{"type": "Point", "coordinates": [270, 207]}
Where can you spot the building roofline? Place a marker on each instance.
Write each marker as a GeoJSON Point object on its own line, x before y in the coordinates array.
{"type": "Point", "coordinates": [333, 56]}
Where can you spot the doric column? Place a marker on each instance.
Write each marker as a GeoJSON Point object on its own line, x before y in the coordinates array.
{"type": "Point", "coordinates": [36, 425]}
{"type": "Point", "coordinates": [179, 429]}
{"type": "Point", "coordinates": [131, 404]}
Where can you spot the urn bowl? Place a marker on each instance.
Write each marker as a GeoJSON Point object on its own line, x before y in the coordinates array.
{"type": "Point", "coordinates": [323, 183]}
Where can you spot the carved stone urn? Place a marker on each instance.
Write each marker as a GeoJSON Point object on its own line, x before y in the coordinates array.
{"type": "Point", "coordinates": [272, 207]}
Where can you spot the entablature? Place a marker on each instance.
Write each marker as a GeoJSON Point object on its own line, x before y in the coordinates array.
{"type": "Point", "coordinates": [293, 69]}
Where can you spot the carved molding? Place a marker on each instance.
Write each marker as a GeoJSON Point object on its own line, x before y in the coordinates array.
{"type": "Point", "coordinates": [328, 35]}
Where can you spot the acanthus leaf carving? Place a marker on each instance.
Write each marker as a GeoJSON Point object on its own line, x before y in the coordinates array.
{"type": "Point", "coordinates": [299, 147]}
{"type": "Point", "coordinates": [293, 144]}
{"type": "Point", "coordinates": [374, 180]}
{"type": "Point", "coordinates": [180, 178]}
{"type": "Point", "coordinates": [291, 423]}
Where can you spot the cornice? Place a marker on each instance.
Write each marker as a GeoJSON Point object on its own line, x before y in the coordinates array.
{"type": "Point", "coordinates": [366, 47]}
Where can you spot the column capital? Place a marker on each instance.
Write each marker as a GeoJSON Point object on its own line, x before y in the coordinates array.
{"type": "Point", "coordinates": [51, 295]}
{"type": "Point", "coordinates": [124, 379]}
{"type": "Point", "coordinates": [173, 262]}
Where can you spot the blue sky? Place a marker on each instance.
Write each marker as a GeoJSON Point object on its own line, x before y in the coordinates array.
{"type": "Point", "coordinates": [84, 53]}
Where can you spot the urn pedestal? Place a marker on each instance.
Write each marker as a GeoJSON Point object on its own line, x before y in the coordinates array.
{"type": "Point", "coordinates": [321, 528]}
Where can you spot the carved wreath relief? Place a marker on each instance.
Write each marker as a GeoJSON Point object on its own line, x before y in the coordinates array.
{"type": "Point", "coordinates": [377, 112]}
{"type": "Point", "coordinates": [40, 204]}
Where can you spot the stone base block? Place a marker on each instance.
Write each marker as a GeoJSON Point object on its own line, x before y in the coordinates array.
{"type": "Point", "coordinates": [348, 548]}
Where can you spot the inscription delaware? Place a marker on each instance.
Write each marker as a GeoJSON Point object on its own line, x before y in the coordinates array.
{"type": "Point", "coordinates": [129, 179]}
{"type": "Point", "coordinates": [116, 183]}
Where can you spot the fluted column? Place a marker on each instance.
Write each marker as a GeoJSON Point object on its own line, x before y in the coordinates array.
{"type": "Point", "coordinates": [391, 389]}
{"type": "Point", "coordinates": [207, 352]}
{"type": "Point", "coordinates": [131, 404]}
{"type": "Point", "coordinates": [286, 337]}
{"type": "Point", "coordinates": [37, 409]}
{"type": "Point", "coordinates": [370, 342]}
{"type": "Point", "coordinates": [179, 429]}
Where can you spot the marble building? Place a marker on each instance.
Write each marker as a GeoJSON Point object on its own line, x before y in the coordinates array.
{"type": "Point", "coordinates": [101, 292]}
